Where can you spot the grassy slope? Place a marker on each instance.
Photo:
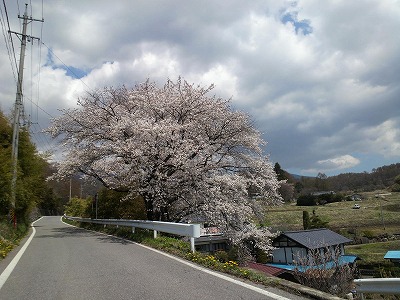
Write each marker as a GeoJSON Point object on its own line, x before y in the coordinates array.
{"type": "Point", "coordinates": [341, 215]}
{"type": "Point", "coordinates": [376, 217]}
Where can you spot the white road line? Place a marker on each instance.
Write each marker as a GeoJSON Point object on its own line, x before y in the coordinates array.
{"type": "Point", "coordinates": [227, 278]}
{"type": "Point", "coordinates": [6, 273]}
{"type": "Point", "coordinates": [208, 271]}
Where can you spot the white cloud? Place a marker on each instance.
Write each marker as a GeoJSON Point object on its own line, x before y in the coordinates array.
{"type": "Point", "coordinates": [384, 139]}
{"type": "Point", "coordinates": [339, 163]}
{"type": "Point", "coordinates": [316, 96]}
{"type": "Point", "coordinates": [333, 164]}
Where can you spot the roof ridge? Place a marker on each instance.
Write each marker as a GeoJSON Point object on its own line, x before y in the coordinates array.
{"type": "Point", "coordinates": [306, 230]}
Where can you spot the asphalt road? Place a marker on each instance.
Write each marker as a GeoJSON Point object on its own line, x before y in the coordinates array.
{"type": "Point", "coordinates": [64, 262]}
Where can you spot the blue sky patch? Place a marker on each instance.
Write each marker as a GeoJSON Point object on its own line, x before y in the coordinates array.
{"type": "Point", "coordinates": [302, 26]}
{"type": "Point", "coordinates": [71, 71]}
{"type": "Point", "coordinates": [74, 72]}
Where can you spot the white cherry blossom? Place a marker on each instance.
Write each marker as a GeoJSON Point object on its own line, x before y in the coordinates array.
{"type": "Point", "coordinates": [186, 153]}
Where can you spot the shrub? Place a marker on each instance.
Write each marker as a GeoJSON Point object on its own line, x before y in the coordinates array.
{"type": "Point", "coordinates": [222, 256]}
{"type": "Point", "coordinates": [10, 237]}
{"type": "Point", "coordinates": [368, 234]}
{"type": "Point", "coordinates": [5, 247]}
{"type": "Point", "coordinates": [307, 200]}
{"type": "Point", "coordinates": [322, 270]}
{"type": "Point", "coordinates": [77, 207]}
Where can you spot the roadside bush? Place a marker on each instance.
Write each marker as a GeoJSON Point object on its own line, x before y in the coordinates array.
{"type": "Point", "coordinates": [261, 256]}
{"type": "Point", "coordinates": [10, 237]}
{"type": "Point", "coordinates": [77, 207]}
{"type": "Point", "coordinates": [222, 256]}
{"type": "Point", "coordinates": [5, 247]}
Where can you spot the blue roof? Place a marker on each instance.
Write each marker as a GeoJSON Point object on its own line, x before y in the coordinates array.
{"type": "Point", "coordinates": [392, 254]}
{"type": "Point", "coordinates": [343, 259]}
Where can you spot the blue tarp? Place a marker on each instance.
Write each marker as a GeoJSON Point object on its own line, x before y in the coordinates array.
{"type": "Point", "coordinates": [343, 259]}
{"type": "Point", "coordinates": [393, 255]}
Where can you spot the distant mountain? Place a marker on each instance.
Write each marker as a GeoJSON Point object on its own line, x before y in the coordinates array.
{"type": "Point", "coordinates": [298, 177]}
{"type": "Point", "coordinates": [379, 178]}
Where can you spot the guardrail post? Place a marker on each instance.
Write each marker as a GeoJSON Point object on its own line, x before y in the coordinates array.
{"type": "Point", "coordinates": [155, 234]}
{"type": "Point", "coordinates": [133, 229]}
{"type": "Point", "coordinates": [192, 244]}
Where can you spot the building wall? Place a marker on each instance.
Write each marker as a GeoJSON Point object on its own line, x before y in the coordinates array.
{"type": "Point", "coordinates": [288, 254]}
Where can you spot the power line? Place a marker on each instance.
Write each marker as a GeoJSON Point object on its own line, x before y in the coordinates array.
{"type": "Point", "coordinates": [42, 139]}
{"type": "Point", "coordinates": [68, 68]}
{"type": "Point", "coordinates": [39, 65]}
{"type": "Point", "coordinates": [40, 108]}
{"type": "Point", "coordinates": [9, 40]}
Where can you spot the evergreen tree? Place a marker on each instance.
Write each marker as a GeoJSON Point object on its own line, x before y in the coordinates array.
{"type": "Point", "coordinates": [306, 220]}
{"type": "Point", "coordinates": [31, 186]}
{"type": "Point", "coordinates": [316, 222]}
{"type": "Point", "coordinates": [281, 174]}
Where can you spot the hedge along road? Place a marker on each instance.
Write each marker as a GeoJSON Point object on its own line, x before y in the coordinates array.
{"type": "Point", "coordinates": [65, 262]}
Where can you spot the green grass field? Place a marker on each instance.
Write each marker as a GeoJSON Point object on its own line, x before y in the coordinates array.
{"type": "Point", "coordinates": [377, 217]}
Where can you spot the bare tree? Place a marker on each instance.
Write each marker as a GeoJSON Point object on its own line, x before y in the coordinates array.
{"type": "Point", "coordinates": [323, 269]}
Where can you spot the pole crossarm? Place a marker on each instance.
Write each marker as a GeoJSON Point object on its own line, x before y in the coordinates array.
{"type": "Point", "coordinates": [27, 36]}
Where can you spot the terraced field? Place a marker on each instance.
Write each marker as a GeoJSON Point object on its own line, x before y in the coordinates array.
{"type": "Point", "coordinates": [377, 214]}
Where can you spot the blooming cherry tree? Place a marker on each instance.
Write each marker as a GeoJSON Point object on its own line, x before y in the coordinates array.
{"type": "Point", "coordinates": [186, 153]}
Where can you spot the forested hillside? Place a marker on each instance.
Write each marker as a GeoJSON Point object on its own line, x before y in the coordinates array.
{"type": "Point", "coordinates": [385, 177]}
{"type": "Point", "coordinates": [380, 178]}
{"type": "Point", "coordinates": [32, 190]}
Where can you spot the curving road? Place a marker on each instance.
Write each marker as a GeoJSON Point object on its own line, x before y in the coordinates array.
{"type": "Point", "coordinates": [65, 262]}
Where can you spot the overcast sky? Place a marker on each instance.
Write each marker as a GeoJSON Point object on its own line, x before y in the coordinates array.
{"type": "Point", "coordinates": [320, 79]}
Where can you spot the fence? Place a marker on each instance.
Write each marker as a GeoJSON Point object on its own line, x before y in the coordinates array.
{"type": "Point", "coordinates": [189, 230]}
{"type": "Point", "coordinates": [378, 286]}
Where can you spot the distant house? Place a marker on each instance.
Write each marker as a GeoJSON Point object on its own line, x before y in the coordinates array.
{"type": "Point", "coordinates": [356, 197]}
{"type": "Point", "coordinates": [292, 246]}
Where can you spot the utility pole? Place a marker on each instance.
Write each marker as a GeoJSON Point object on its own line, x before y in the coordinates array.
{"type": "Point", "coordinates": [18, 108]}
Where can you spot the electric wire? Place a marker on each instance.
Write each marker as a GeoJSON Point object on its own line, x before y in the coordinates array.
{"type": "Point", "coordinates": [42, 138]}
{"type": "Point", "coordinates": [68, 68]}
{"type": "Point", "coordinates": [9, 41]}
{"type": "Point", "coordinates": [39, 65]}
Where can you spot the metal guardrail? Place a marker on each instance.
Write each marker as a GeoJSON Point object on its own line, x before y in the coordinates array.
{"type": "Point", "coordinates": [189, 230]}
{"type": "Point", "coordinates": [378, 286]}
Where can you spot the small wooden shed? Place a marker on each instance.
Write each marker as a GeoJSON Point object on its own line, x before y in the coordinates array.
{"type": "Point", "coordinates": [294, 245]}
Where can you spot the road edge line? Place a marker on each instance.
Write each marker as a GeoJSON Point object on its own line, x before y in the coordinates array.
{"type": "Point", "coordinates": [216, 274]}
{"type": "Point", "coordinates": [8, 270]}
{"type": "Point", "coordinates": [194, 266]}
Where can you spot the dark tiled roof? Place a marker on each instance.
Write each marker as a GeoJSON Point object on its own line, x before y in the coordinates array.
{"type": "Point", "coordinates": [316, 238]}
